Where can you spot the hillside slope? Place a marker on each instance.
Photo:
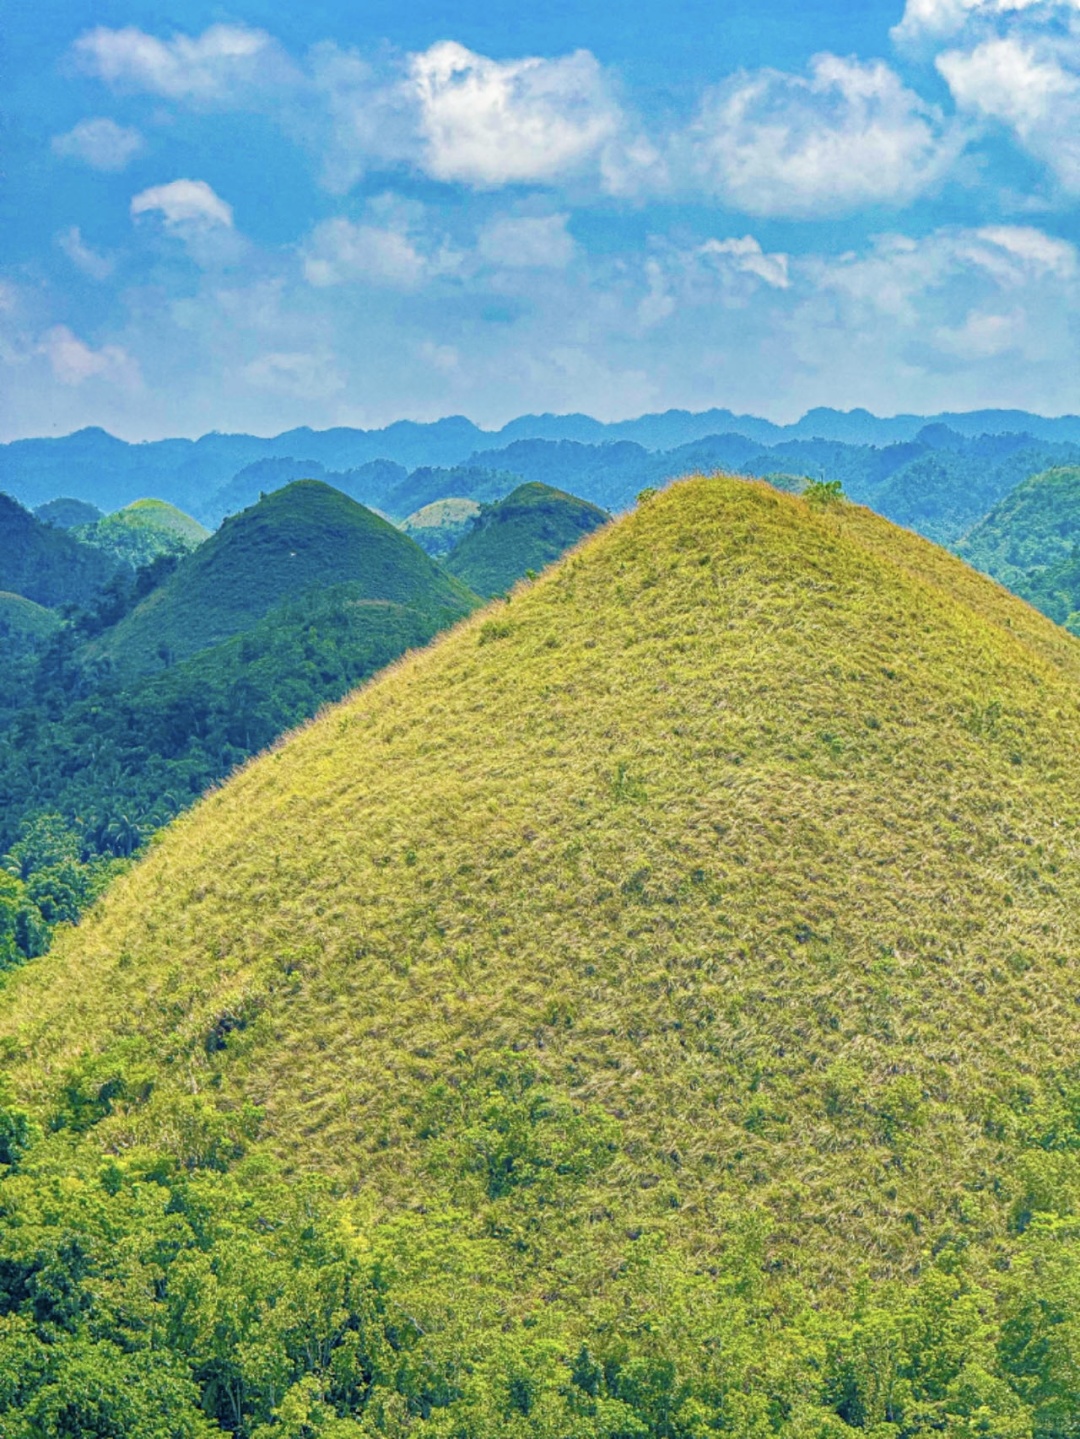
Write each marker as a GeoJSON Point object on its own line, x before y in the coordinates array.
{"type": "Point", "coordinates": [141, 531]}
{"type": "Point", "coordinates": [1033, 528]}
{"type": "Point", "coordinates": [662, 963]}
{"type": "Point", "coordinates": [44, 564]}
{"type": "Point", "coordinates": [302, 538]}
{"type": "Point", "coordinates": [528, 530]}
{"type": "Point", "coordinates": [24, 625]}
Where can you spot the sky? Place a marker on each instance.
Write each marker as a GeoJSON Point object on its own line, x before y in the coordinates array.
{"type": "Point", "coordinates": [250, 217]}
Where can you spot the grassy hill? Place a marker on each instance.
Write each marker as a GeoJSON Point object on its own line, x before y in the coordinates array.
{"type": "Point", "coordinates": [299, 539]}
{"type": "Point", "coordinates": [44, 564]}
{"type": "Point", "coordinates": [437, 527]}
{"type": "Point", "coordinates": [671, 973]}
{"type": "Point", "coordinates": [141, 531]}
{"type": "Point", "coordinates": [528, 530]}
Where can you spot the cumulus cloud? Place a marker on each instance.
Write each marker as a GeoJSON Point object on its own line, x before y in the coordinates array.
{"type": "Point", "coordinates": [488, 123]}
{"type": "Point", "coordinates": [298, 374]}
{"type": "Point", "coordinates": [1030, 83]}
{"type": "Point", "coordinates": [939, 19]}
{"type": "Point", "coordinates": [73, 362]}
{"type": "Point", "coordinates": [527, 242]}
{"type": "Point", "coordinates": [100, 143]}
{"type": "Point", "coordinates": [845, 135]}
{"type": "Point", "coordinates": [729, 272]}
{"type": "Point", "coordinates": [82, 256]}
{"type": "Point", "coordinates": [184, 205]}
{"type": "Point", "coordinates": [391, 247]}
{"type": "Point", "coordinates": [897, 273]}
{"type": "Point", "coordinates": [219, 65]}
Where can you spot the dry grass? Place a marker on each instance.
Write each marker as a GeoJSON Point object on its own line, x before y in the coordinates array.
{"type": "Point", "coordinates": [754, 823]}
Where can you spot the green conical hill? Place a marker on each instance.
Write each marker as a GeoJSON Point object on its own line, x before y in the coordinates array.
{"type": "Point", "coordinates": [300, 539]}
{"type": "Point", "coordinates": [47, 565]}
{"type": "Point", "coordinates": [725, 877]}
{"type": "Point", "coordinates": [141, 531]}
{"type": "Point", "coordinates": [528, 530]}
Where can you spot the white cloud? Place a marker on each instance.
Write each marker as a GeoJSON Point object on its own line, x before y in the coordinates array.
{"type": "Point", "coordinates": [488, 123]}
{"type": "Point", "coordinates": [1007, 80]}
{"type": "Point", "coordinates": [527, 242]}
{"type": "Point", "coordinates": [939, 19]}
{"type": "Point", "coordinates": [340, 251]}
{"type": "Point", "coordinates": [184, 205]}
{"type": "Point", "coordinates": [392, 248]}
{"type": "Point", "coordinates": [746, 257]}
{"type": "Point", "coordinates": [1030, 84]}
{"type": "Point", "coordinates": [100, 143]}
{"type": "Point", "coordinates": [728, 272]}
{"type": "Point", "coordinates": [217, 66]}
{"type": "Point", "coordinates": [846, 135]}
{"type": "Point", "coordinates": [1031, 251]}
{"type": "Point", "coordinates": [82, 256]}
{"type": "Point", "coordinates": [304, 376]}
{"type": "Point", "coordinates": [983, 335]}
{"type": "Point", "coordinates": [897, 274]}
{"type": "Point", "coordinates": [73, 362]}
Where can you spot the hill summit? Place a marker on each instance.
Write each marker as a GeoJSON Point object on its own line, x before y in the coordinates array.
{"type": "Point", "coordinates": [305, 537]}
{"type": "Point", "coordinates": [141, 531]}
{"type": "Point", "coordinates": [532, 527]}
{"type": "Point", "coordinates": [672, 973]}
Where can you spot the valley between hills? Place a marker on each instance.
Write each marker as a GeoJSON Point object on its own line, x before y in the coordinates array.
{"type": "Point", "coordinates": [566, 933]}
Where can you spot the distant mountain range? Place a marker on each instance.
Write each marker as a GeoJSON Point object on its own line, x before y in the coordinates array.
{"type": "Point", "coordinates": [95, 467]}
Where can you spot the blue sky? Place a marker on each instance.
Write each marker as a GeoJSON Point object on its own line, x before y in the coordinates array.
{"type": "Point", "coordinates": [252, 217]}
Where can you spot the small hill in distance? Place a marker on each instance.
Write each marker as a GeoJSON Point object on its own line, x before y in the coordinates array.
{"type": "Point", "coordinates": [66, 514]}
{"type": "Point", "coordinates": [299, 539]}
{"type": "Point", "coordinates": [46, 564]}
{"type": "Point", "coordinates": [437, 527]}
{"type": "Point", "coordinates": [143, 530]}
{"type": "Point", "coordinates": [427, 485]}
{"type": "Point", "coordinates": [528, 530]}
{"type": "Point", "coordinates": [671, 973]}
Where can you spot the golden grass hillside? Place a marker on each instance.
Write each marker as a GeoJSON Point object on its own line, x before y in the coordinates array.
{"type": "Point", "coordinates": [748, 832]}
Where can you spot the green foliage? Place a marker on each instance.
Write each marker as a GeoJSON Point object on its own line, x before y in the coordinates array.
{"type": "Point", "coordinates": [823, 492]}
{"type": "Point", "coordinates": [1031, 542]}
{"type": "Point", "coordinates": [56, 877]}
{"type": "Point", "coordinates": [121, 761]}
{"type": "Point", "coordinates": [141, 532]}
{"type": "Point", "coordinates": [528, 530]}
{"type": "Point", "coordinates": [47, 565]}
{"type": "Point", "coordinates": [140, 1302]}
